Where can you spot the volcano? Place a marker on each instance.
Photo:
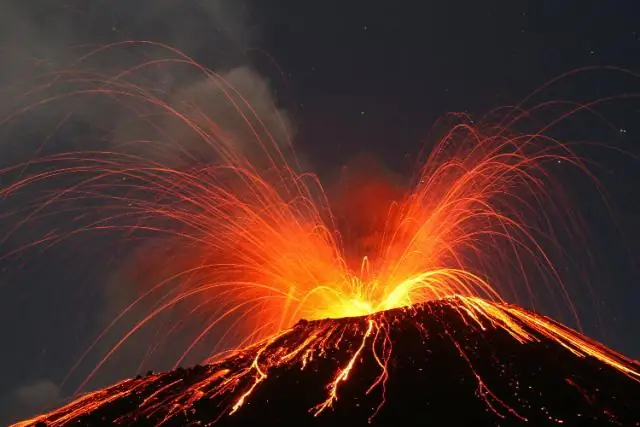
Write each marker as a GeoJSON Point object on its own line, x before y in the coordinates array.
{"type": "Point", "coordinates": [452, 361]}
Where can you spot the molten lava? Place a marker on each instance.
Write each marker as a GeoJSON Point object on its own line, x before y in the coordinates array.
{"type": "Point", "coordinates": [255, 247]}
{"type": "Point", "coordinates": [369, 361]}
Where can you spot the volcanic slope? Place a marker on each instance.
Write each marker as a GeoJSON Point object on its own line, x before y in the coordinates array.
{"type": "Point", "coordinates": [454, 361]}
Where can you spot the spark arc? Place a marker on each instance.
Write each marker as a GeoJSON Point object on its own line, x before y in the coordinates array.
{"type": "Point", "coordinates": [250, 243]}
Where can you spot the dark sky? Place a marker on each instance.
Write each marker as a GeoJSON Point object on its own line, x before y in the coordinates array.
{"type": "Point", "coordinates": [355, 77]}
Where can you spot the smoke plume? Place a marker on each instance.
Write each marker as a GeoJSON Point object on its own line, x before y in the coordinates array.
{"type": "Point", "coordinates": [42, 46]}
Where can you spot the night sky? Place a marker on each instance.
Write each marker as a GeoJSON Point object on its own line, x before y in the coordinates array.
{"type": "Point", "coordinates": [355, 77]}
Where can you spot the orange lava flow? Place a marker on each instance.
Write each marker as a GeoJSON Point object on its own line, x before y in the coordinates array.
{"type": "Point", "coordinates": [260, 249]}
{"type": "Point", "coordinates": [253, 365]}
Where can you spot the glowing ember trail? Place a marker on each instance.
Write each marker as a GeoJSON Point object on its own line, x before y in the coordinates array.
{"type": "Point", "coordinates": [229, 384]}
{"type": "Point", "coordinates": [261, 251]}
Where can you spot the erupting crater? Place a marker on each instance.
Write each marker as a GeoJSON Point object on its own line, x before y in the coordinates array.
{"type": "Point", "coordinates": [451, 361]}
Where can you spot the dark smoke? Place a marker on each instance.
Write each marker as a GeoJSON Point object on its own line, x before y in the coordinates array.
{"type": "Point", "coordinates": [40, 38]}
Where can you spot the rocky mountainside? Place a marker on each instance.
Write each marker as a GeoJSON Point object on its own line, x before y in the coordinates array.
{"type": "Point", "coordinates": [455, 361]}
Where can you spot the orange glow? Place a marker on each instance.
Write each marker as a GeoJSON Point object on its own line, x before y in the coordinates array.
{"type": "Point", "coordinates": [260, 249]}
{"type": "Point", "coordinates": [253, 364]}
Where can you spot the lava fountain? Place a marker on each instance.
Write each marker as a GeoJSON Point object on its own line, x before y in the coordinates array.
{"type": "Point", "coordinates": [259, 248]}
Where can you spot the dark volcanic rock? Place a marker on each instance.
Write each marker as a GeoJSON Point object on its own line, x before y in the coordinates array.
{"type": "Point", "coordinates": [434, 365]}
